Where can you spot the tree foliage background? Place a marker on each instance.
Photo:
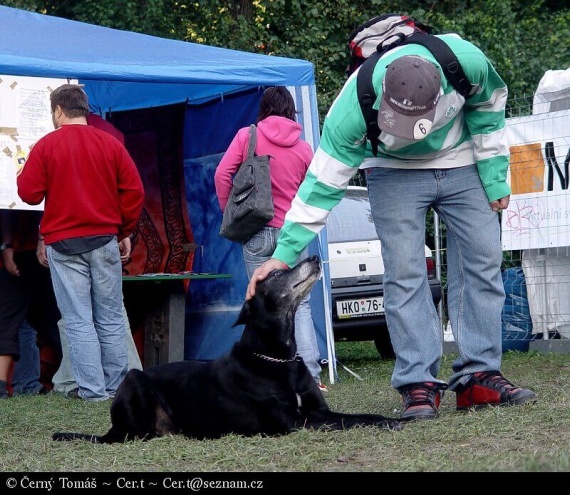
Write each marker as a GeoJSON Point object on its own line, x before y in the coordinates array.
{"type": "Point", "coordinates": [523, 38]}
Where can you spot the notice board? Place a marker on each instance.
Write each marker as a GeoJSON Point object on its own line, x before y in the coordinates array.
{"type": "Point", "coordinates": [25, 117]}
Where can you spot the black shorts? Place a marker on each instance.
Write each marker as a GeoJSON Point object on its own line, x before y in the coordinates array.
{"type": "Point", "coordinates": [27, 297]}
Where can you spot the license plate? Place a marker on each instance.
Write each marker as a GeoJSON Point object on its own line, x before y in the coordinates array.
{"type": "Point", "coordinates": [354, 308]}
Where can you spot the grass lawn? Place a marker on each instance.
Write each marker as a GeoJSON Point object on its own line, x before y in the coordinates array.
{"type": "Point", "coordinates": [525, 438]}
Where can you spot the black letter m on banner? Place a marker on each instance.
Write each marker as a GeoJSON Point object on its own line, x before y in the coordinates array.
{"type": "Point", "coordinates": [553, 165]}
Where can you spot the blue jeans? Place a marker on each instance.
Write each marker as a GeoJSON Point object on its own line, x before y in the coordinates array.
{"type": "Point", "coordinates": [258, 250]}
{"type": "Point", "coordinates": [400, 199]}
{"type": "Point", "coordinates": [89, 292]}
{"type": "Point", "coordinates": [26, 376]}
{"type": "Point", "coordinates": [63, 380]}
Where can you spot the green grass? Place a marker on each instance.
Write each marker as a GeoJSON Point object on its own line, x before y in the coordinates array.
{"type": "Point", "coordinates": [525, 438]}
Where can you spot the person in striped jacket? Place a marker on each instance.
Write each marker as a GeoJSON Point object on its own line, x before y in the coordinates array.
{"type": "Point", "coordinates": [436, 150]}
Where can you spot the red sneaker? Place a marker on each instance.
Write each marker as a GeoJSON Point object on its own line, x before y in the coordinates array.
{"type": "Point", "coordinates": [490, 388]}
{"type": "Point", "coordinates": [421, 400]}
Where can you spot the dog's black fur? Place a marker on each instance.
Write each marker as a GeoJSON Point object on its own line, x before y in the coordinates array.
{"type": "Point", "coordinates": [260, 387]}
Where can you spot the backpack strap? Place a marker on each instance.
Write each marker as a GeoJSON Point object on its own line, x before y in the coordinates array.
{"type": "Point", "coordinates": [448, 61]}
{"type": "Point", "coordinates": [444, 56]}
{"type": "Point", "coordinates": [252, 140]}
{"type": "Point", "coordinates": [366, 98]}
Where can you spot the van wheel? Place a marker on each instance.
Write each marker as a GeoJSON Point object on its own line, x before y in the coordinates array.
{"type": "Point", "coordinates": [384, 346]}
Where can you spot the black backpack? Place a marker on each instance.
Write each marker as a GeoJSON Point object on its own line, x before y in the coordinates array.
{"type": "Point", "coordinates": [372, 39]}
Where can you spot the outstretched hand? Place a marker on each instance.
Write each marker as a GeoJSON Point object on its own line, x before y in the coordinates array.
{"type": "Point", "coordinates": [262, 272]}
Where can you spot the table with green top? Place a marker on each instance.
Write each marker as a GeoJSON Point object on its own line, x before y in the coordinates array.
{"type": "Point", "coordinates": [158, 302]}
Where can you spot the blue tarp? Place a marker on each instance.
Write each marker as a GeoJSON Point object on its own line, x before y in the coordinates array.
{"type": "Point", "coordinates": [515, 318]}
{"type": "Point", "coordinates": [123, 70]}
{"type": "Point", "coordinates": [213, 306]}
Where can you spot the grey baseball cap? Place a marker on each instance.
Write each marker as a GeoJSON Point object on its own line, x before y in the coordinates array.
{"type": "Point", "coordinates": [411, 89]}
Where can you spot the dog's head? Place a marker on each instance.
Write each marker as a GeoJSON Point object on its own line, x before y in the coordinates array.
{"type": "Point", "coordinates": [269, 316]}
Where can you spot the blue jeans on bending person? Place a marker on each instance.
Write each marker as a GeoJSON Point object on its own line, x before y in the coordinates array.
{"type": "Point", "coordinates": [89, 292]}
{"type": "Point", "coordinates": [399, 200]}
{"type": "Point", "coordinates": [255, 252]}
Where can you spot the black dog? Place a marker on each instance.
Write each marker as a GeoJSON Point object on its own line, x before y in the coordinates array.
{"type": "Point", "coordinates": [261, 387]}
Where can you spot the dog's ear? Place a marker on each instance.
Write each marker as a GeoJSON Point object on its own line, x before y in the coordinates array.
{"type": "Point", "coordinates": [245, 314]}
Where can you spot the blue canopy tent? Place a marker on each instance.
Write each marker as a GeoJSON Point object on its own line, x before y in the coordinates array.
{"type": "Point", "coordinates": [123, 71]}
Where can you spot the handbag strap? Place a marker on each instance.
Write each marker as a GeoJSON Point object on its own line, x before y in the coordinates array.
{"type": "Point", "coordinates": [252, 140]}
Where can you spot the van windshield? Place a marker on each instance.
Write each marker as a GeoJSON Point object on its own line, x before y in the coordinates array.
{"type": "Point", "coordinates": [351, 219]}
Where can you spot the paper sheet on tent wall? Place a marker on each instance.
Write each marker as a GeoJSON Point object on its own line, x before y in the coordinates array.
{"type": "Point", "coordinates": [25, 117]}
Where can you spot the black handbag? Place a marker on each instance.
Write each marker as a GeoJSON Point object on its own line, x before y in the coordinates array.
{"type": "Point", "coordinates": [250, 204]}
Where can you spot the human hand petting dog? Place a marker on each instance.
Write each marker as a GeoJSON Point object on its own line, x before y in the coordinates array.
{"type": "Point", "coordinates": [262, 272]}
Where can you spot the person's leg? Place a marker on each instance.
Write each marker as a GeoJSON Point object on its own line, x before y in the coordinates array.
{"type": "Point", "coordinates": [305, 334]}
{"type": "Point", "coordinates": [13, 307]}
{"type": "Point", "coordinates": [5, 363]}
{"type": "Point", "coordinates": [71, 277]}
{"type": "Point", "coordinates": [108, 315]}
{"type": "Point", "coordinates": [475, 295]}
{"type": "Point", "coordinates": [26, 376]}
{"type": "Point", "coordinates": [306, 338]}
{"type": "Point", "coordinates": [133, 358]}
{"type": "Point", "coordinates": [43, 313]}
{"type": "Point", "coordinates": [399, 201]}
{"type": "Point", "coordinates": [257, 251]}
{"type": "Point", "coordinates": [63, 380]}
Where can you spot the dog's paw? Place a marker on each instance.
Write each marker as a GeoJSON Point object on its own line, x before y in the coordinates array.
{"type": "Point", "coordinates": [393, 424]}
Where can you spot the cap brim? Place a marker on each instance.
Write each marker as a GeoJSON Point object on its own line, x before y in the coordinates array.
{"type": "Point", "coordinates": [412, 127]}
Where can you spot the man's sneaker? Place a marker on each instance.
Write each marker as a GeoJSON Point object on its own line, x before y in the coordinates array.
{"type": "Point", "coordinates": [490, 388]}
{"type": "Point", "coordinates": [322, 387]}
{"type": "Point", "coordinates": [73, 394]}
{"type": "Point", "coordinates": [421, 400]}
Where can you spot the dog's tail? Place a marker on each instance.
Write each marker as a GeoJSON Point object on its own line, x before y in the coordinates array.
{"type": "Point", "coordinates": [62, 436]}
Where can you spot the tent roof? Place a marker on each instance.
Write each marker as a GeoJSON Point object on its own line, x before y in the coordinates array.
{"type": "Point", "coordinates": [123, 70]}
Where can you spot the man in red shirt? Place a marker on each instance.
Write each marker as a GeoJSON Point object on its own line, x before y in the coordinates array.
{"type": "Point", "coordinates": [93, 199]}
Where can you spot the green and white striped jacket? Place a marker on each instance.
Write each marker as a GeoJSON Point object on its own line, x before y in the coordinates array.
{"type": "Point", "coordinates": [464, 132]}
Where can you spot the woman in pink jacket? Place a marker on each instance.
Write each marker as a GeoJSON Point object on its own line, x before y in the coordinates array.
{"type": "Point", "coordinates": [279, 136]}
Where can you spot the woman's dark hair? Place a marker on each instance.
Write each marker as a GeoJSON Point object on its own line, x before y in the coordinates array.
{"type": "Point", "coordinates": [276, 101]}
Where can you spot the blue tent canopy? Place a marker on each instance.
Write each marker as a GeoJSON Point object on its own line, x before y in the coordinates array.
{"type": "Point", "coordinates": [123, 70]}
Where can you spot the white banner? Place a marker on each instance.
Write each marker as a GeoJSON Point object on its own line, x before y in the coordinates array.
{"type": "Point", "coordinates": [539, 211]}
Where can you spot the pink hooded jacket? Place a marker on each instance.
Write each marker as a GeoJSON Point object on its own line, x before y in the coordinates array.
{"type": "Point", "coordinates": [279, 138]}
